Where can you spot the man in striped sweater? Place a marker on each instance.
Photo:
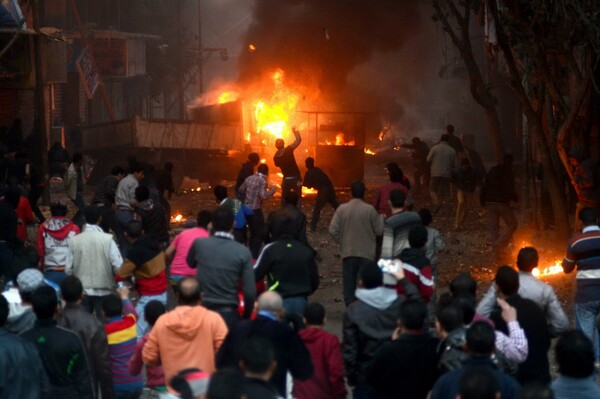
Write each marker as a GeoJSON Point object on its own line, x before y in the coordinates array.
{"type": "Point", "coordinates": [583, 252]}
{"type": "Point", "coordinates": [121, 333]}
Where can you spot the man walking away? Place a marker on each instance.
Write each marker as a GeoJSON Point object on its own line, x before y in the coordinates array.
{"type": "Point", "coordinates": [257, 361]}
{"type": "Point", "coordinates": [74, 183]}
{"type": "Point", "coordinates": [497, 192]}
{"type": "Point", "coordinates": [104, 198]}
{"type": "Point", "coordinates": [256, 190]}
{"type": "Point", "coordinates": [146, 263]}
{"type": "Point", "coordinates": [120, 319]}
{"type": "Point", "coordinates": [575, 358]}
{"type": "Point", "coordinates": [416, 265]}
{"type": "Point", "coordinates": [397, 226]}
{"type": "Point", "coordinates": [317, 179]}
{"type": "Point", "coordinates": [126, 203]}
{"type": "Point", "coordinates": [355, 226]}
{"type": "Point", "coordinates": [188, 336]}
{"type": "Point", "coordinates": [52, 247]}
{"type": "Point", "coordinates": [91, 332]}
{"type": "Point", "coordinates": [285, 160]}
{"type": "Point", "coordinates": [326, 356]}
{"type": "Point", "coordinates": [397, 182]}
{"type": "Point", "coordinates": [408, 364]}
{"type": "Point", "coordinates": [61, 350]}
{"type": "Point", "coordinates": [221, 265]}
{"type": "Point", "coordinates": [465, 179]}
{"type": "Point", "coordinates": [419, 153]}
{"type": "Point", "coordinates": [246, 171]}
{"type": "Point", "coordinates": [22, 373]}
{"type": "Point", "coordinates": [289, 216]}
{"type": "Point", "coordinates": [290, 352]}
{"type": "Point", "coordinates": [240, 212]}
{"type": "Point", "coordinates": [177, 252]}
{"type": "Point", "coordinates": [582, 253]}
{"type": "Point", "coordinates": [153, 216]}
{"type": "Point", "coordinates": [94, 260]}
{"type": "Point", "coordinates": [444, 160]}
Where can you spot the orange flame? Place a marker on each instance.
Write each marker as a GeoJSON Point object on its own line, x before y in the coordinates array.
{"type": "Point", "coordinates": [178, 218]}
{"type": "Point", "coordinates": [308, 191]}
{"type": "Point", "coordinates": [252, 47]}
{"type": "Point", "coordinates": [368, 151]}
{"type": "Point", "coordinates": [227, 97]}
{"type": "Point", "coordinates": [556, 268]}
{"type": "Point", "coordinates": [381, 134]}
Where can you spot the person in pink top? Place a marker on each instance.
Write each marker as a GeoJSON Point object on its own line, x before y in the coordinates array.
{"type": "Point", "coordinates": [178, 250]}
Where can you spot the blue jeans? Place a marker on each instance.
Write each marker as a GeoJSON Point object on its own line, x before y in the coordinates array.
{"type": "Point", "coordinates": [585, 320]}
{"type": "Point", "coordinates": [294, 309]}
{"type": "Point", "coordinates": [142, 325]}
{"type": "Point", "coordinates": [55, 276]}
{"type": "Point", "coordinates": [135, 394]}
{"type": "Point", "coordinates": [123, 217]}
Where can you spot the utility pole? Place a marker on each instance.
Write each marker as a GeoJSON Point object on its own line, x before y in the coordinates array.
{"type": "Point", "coordinates": [40, 103]}
{"type": "Point", "coordinates": [200, 75]}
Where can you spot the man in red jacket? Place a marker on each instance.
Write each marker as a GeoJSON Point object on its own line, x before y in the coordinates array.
{"type": "Point", "coordinates": [327, 381]}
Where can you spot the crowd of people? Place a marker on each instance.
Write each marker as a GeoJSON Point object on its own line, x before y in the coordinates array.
{"type": "Point", "coordinates": [106, 304]}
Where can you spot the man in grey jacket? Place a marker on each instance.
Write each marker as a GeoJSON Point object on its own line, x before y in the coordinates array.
{"type": "Point", "coordinates": [443, 160]}
{"type": "Point", "coordinates": [221, 263]}
{"type": "Point", "coordinates": [355, 226]}
{"type": "Point", "coordinates": [534, 289]}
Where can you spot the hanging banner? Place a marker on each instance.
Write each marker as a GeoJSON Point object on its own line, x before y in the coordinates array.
{"type": "Point", "coordinates": [88, 72]}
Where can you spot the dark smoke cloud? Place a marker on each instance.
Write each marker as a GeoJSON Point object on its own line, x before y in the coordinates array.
{"type": "Point", "coordinates": [320, 43]}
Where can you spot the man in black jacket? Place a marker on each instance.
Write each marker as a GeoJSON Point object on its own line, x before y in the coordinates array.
{"type": "Point", "coordinates": [77, 319]}
{"type": "Point", "coordinates": [291, 215]}
{"type": "Point", "coordinates": [291, 270]}
{"type": "Point", "coordinates": [290, 353]}
{"type": "Point", "coordinates": [257, 361]}
{"type": "Point", "coordinates": [533, 321]}
{"type": "Point", "coordinates": [153, 216]}
{"type": "Point", "coordinates": [496, 195]}
{"type": "Point", "coordinates": [62, 352]}
{"type": "Point", "coordinates": [465, 178]}
{"type": "Point", "coordinates": [22, 374]}
{"type": "Point", "coordinates": [8, 231]}
{"type": "Point", "coordinates": [369, 323]}
{"type": "Point", "coordinates": [407, 366]}
{"type": "Point", "coordinates": [317, 179]}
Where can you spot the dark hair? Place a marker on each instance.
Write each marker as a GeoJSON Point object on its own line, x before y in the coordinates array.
{"type": "Point", "coordinates": [528, 259]}
{"type": "Point", "coordinates": [44, 302]}
{"type": "Point", "coordinates": [77, 157]}
{"type": "Point", "coordinates": [314, 313]}
{"type": "Point", "coordinates": [450, 129]}
{"type": "Point", "coordinates": [507, 280]}
{"type": "Point", "coordinates": [575, 354]}
{"type": "Point", "coordinates": [142, 193]}
{"type": "Point", "coordinates": [397, 198]}
{"type": "Point", "coordinates": [263, 168]}
{"type": "Point", "coordinates": [450, 316]}
{"type": "Point", "coordinates": [112, 305]}
{"type": "Point", "coordinates": [181, 385]}
{"type": "Point", "coordinates": [358, 189]}
{"type": "Point", "coordinates": [225, 384]}
{"type": "Point", "coordinates": [463, 284]}
{"type": "Point", "coordinates": [417, 237]}
{"type": "Point", "coordinates": [137, 167]}
{"type": "Point", "coordinates": [222, 219]}
{"type": "Point", "coordinates": [508, 159]}
{"type": "Point", "coordinates": [117, 170]}
{"type": "Point", "coordinates": [309, 162]}
{"type": "Point", "coordinates": [153, 310]}
{"type": "Point", "coordinates": [220, 192]}
{"type": "Point", "coordinates": [467, 303]}
{"type": "Point", "coordinates": [71, 289]}
{"type": "Point", "coordinates": [465, 161]}
{"type": "Point", "coordinates": [58, 209]}
{"type": "Point", "coordinates": [536, 390]}
{"type": "Point", "coordinates": [426, 216]}
{"type": "Point", "coordinates": [478, 383]}
{"type": "Point", "coordinates": [371, 276]}
{"type": "Point", "coordinates": [588, 216]}
{"type": "Point", "coordinates": [444, 137]}
{"type": "Point", "coordinates": [203, 218]}
{"type": "Point", "coordinates": [257, 355]}
{"type": "Point", "coordinates": [134, 229]}
{"type": "Point", "coordinates": [92, 214]}
{"type": "Point", "coordinates": [3, 310]}
{"type": "Point", "coordinates": [481, 339]}
{"type": "Point", "coordinates": [188, 291]}
{"type": "Point", "coordinates": [254, 158]}
{"type": "Point", "coordinates": [291, 197]}
{"type": "Point", "coordinates": [413, 314]}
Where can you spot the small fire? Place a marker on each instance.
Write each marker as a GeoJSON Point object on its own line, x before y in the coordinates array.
{"type": "Point", "coordinates": [263, 160]}
{"type": "Point", "coordinates": [381, 134]}
{"type": "Point", "coordinates": [556, 268]}
{"type": "Point", "coordinates": [227, 97]}
{"type": "Point", "coordinates": [308, 191]}
{"type": "Point", "coordinates": [368, 151]}
{"type": "Point", "coordinates": [251, 47]}
{"type": "Point", "coordinates": [279, 174]}
{"type": "Point", "coordinates": [340, 140]}
{"type": "Point", "coordinates": [177, 219]}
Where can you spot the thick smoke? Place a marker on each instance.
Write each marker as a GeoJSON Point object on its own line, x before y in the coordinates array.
{"type": "Point", "coordinates": [320, 43]}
